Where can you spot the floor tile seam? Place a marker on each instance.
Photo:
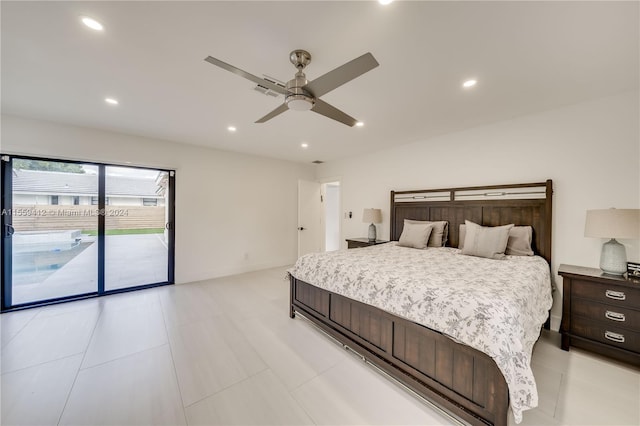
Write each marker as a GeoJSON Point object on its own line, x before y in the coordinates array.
{"type": "Point", "coordinates": [557, 404]}
{"type": "Point", "coordinates": [75, 379]}
{"type": "Point", "coordinates": [227, 387]}
{"type": "Point", "coordinates": [179, 325]}
{"type": "Point", "coordinates": [119, 358]}
{"type": "Point", "coordinates": [39, 364]}
{"type": "Point", "coordinates": [301, 405]}
{"type": "Point", "coordinates": [250, 343]}
{"type": "Point", "coordinates": [173, 363]}
{"type": "Point", "coordinates": [21, 328]}
{"type": "Point", "coordinates": [42, 315]}
{"type": "Point", "coordinates": [115, 309]}
{"type": "Point", "coordinates": [248, 376]}
{"type": "Point", "coordinates": [310, 379]}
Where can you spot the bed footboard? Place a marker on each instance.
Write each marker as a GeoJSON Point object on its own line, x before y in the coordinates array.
{"type": "Point", "coordinates": [460, 379]}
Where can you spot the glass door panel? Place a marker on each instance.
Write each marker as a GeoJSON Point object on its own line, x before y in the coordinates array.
{"type": "Point", "coordinates": [53, 246]}
{"type": "Point", "coordinates": [136, 238]}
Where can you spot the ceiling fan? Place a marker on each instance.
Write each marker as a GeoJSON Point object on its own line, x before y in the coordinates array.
{"type": "Point", "coordinates": [303, 95]}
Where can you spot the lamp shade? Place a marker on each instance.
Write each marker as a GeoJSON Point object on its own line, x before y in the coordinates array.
{"type": "Point", "coordinates": [372, 216]}
{"type": "Point", "coordinates": [613, 223]}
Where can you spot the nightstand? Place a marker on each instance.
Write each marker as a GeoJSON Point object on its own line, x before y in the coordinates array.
{"type": "Point", "coordinates": [601, 313]}
{"type": "Point", "coordinates": [362, 242]}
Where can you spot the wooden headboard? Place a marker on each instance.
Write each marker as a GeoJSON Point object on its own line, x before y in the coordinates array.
{"type": "Point", "coordinates": [520, 204]}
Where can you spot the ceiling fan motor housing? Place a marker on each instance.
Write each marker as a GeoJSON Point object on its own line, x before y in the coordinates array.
{"type": "Point", "coordinates": [298, 99]}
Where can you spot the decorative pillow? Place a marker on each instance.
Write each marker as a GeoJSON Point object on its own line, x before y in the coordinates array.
{"type": "Point", "coordinates": [485, 241]}
{"type": "Point", "coordinates": [439, 234]}
{"type": "Point", "coordinates": [519, 243]}
{"type": "Point", "coordinates": [415, 235]}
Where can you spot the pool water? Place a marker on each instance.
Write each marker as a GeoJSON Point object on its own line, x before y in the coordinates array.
{"type": "Point", "coordinates": [36, 262]}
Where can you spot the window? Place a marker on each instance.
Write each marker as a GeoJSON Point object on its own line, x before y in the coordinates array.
{"type": "Point", "coordinates": [94, 201]}
{"type": "Point", "coordinates": [149, 201]}
{"type": "Point", "coordinates": [54, 200]}
{"type": "Point", "coordinates": [76, 200]}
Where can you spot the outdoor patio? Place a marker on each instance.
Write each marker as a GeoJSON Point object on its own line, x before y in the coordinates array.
{"type": "Point", "coordinates": [130, 260]}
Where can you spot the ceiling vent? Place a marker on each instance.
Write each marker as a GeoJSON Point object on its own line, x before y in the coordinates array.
{"type": "Point", "coordinates": [317, 162]}
{"type": "Point", "coordinates": [265, 90]}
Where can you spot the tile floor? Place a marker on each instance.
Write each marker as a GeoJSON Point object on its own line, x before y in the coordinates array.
{"type": "Point", "coordinates": [224, 352]}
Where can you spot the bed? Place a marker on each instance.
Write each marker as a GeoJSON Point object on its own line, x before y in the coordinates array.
{"type": "Point", "coordinates": [433, 362]}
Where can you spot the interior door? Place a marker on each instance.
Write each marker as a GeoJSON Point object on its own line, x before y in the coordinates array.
{"type": "Point", "coordinates": [310, 229]}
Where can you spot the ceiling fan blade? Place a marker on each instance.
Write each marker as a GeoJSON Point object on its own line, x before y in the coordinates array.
{"type": "Point", "coordinates": [323, 108]}
{"type": "Point", "coordinates": [282, 108]}
{"type": "Point", "coordinates": [341, 75]}
{"type": "Point", "coordinates": [241, 73]}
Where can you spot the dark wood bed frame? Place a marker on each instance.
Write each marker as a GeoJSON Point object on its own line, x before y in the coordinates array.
{"type": "Point", "coordinates": [461, 380]}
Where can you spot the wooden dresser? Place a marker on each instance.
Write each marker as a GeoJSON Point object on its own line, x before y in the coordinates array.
{"type": "Point", "coordinates": [601, 313]}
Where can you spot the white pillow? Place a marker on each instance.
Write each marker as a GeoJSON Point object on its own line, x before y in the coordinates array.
{"type": "Point", "coordinates": [439, 233]}
{"type": "Point", "coordinates": [485, 241]}
{"type": "Point", "coordinates": [518, 244]}
{"type": "Point", "coordinates": [415, 235]}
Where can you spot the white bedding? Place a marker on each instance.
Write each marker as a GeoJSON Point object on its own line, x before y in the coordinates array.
{"type": "Point", "coordinates": [495, 306]}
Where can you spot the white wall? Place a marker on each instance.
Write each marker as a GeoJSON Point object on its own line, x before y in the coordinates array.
{"type": "Point", "coordinates": [234, 212]}
{"type": "Point", "coordinates": [590, 150]}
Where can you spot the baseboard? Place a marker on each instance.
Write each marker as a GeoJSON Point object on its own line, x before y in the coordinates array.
{"type": "Point", "coordinates": [555, 322]}
{"type": "Point", "coordinates": [239, 269]}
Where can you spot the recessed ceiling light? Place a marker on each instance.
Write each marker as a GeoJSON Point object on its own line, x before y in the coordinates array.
{"type": "Point", "coordinates": [469, 83]}
{"type": "Point", "coordinates": [111, 101]}
{"type": "Point", "coordinates": [359, 124]}
{"type": "Point", "coordinates": [384, 2]}
{"type": "Point", "coordinates": [304, 145]}
{"type": "Point", "coordinates": [231, 129]}
{"type": "Point", "coordinates": [92, 23]}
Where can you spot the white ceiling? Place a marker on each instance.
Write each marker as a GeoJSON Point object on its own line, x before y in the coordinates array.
{"type": "Point", "coordinates": [527, 57]}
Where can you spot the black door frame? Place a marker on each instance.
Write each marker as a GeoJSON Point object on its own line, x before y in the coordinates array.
{"type": "Point", "coordinates": [6, 220]}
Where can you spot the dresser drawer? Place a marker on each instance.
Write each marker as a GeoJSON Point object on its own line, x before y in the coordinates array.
{"type": "Point", "coordinates": [609, 315]}
{"type": "Point", "coordinates": [604, 333]}
{"type": "Point", "coordinates": [611, 294]}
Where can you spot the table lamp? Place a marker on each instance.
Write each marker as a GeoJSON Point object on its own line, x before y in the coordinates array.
{"type": "Point", "coordinates": [372, 216]}
{"type": "Point", "coordinates": [613, 223]}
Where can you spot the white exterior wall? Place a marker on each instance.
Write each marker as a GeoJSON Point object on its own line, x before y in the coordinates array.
{"type": "Point", "coordinates": [124, 201]}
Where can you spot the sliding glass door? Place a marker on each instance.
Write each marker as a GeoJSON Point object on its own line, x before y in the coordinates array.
{"type": "Point", "coordinates": [72, 229]}
{"type": "Point", "coordinates": [52, 235]}
{"type": "Point", "coordinates": [136, 237]}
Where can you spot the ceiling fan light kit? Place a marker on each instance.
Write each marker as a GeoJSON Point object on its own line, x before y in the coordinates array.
{"type": "Point", "coordinates": [302, 95]}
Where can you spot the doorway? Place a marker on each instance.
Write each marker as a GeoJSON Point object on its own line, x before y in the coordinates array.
{"type": "Point", "coordinates": [331, 207]}
{"type": "Point", "coordinates": [75, 229]}
{"type": "Point", "coordinates": [318, 216]}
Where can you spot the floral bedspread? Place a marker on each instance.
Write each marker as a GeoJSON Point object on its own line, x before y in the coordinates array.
{"type": "Point", "coordinates": [495, 306]}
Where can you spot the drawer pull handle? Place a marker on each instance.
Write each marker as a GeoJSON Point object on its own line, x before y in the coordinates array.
{"type": "Point", "coordinates": [615, 316]}
{"type": "Point", "coordinates": [616, 295]}
{"type": "Point", "coordinates": [619, 338]}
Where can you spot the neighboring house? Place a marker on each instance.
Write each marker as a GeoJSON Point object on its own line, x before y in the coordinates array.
{"type": "Point", "coordinates": [35, 187]}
